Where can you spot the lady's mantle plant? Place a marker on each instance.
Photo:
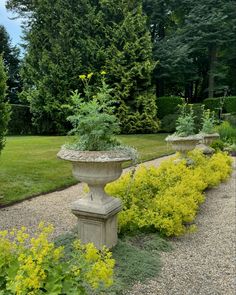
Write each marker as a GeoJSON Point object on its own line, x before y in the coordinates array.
{"type": "Point", "coordinates": [34, 266]}
{"type": "Point", "coordinates": [94, 121]}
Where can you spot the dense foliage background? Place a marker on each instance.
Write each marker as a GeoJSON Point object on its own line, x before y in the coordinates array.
{"type": "Point", "coordinates": [149, 49]}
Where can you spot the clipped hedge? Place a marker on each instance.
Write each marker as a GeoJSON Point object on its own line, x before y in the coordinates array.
{"type": "Point", "coordinates": [167, 105]}
{"type": "Point", "coordinates": [166, 199]}
{"type": "Point", "coordinates": [213, 104]}
{"type": "Point", "coordinates": [168, 123]}
{"type": "Point", "coordinates": [20, 121]}
{"type": "Point", "coordinates": [230, 104]}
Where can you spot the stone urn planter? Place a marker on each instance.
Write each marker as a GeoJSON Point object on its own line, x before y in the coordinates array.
{"type": "Point", "coordinates": [97, 212]}
{"type": "Point", "coordinates": [209, 138]}
{"type": "Point", "coordinates": [183, 144]}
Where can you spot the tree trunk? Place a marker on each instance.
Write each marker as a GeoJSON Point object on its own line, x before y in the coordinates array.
{"type": "Point", "coordinates": [211, 73]}
{"type": "Point", "coordinates": [188, 93]}
{"type": "Point", "coordinates": [160, 87]}
{"type": "Point", "coordinates": [195, 91]}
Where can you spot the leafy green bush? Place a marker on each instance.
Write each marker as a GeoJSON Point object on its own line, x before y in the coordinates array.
{"type": "Point", "coordinates": [208, 122]}
{"type": "Point", "coordinates": [4, 106]}
{"type": "Point", "coordinates": [166, 199]}
{"type": "Point", "coordinates": [93, 120]}
{"type": "Point", "coordinates": [20, 121]}
{"type": "Point", "coordinates": [230, 104]}
{"type": "Point", "coordinates": [33, 265]}
{"type": "Point", "coordinates": [167, 105]}
{"type": "Point", "coordinates": [227, 131]}
{"type": "Point", "coordinates": [197, 113]}
{"type": "Point", "coordinates": [185, 124]}
{"type": "Point", "coordinates": [218, 145]}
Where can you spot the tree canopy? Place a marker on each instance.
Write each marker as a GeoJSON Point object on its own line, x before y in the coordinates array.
{"type": "Point", "coordinates": [148, 48]}
{"type": "Point", "coordinates": [4, 106]}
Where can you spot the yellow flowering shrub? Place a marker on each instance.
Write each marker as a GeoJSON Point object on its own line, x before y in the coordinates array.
{"type": "Point", "coordinates": [167, 198]}
{"type": "Point", "coordinates": [34, 266]}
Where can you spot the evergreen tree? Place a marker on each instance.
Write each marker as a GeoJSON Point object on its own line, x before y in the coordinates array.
{"type": "Point", "coordinates": [68, 38]}
{"type": "Point", "coordinates": [58, 49]}
{"type": "Point", "coordinates": [129, 65]}
{"type": "Point", "coordinates": [208, 27]}
{"type": "Point", "coordinates": [12, 63]}
{"type": "Point", "coordinates": [4, 106]}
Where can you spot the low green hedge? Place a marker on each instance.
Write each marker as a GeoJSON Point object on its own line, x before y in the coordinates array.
{"type": "Point", "coordinates": [230, 104]}
{"type": "Point", "coordinates": [213, 104]}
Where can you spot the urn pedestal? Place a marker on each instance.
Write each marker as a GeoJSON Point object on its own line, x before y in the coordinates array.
{"type": "Point", "coordinates": [97, 212]}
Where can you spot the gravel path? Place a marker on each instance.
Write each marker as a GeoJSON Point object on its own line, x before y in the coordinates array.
{"type": "Point", "coordinates": [200, 264]}
{"type": "Point", "coordinates": [203, 263]}
{"type": "Point", "coordinates": [53, 208]}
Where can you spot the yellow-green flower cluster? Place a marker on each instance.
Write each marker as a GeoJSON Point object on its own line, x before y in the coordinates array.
{"type": "Point", "coordinates": [34, 266]}
{"type": "Point", "coordinates": [167, 198]}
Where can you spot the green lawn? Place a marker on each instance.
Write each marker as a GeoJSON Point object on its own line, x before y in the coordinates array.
{"type": "Point", "coordinates": [29, 166]}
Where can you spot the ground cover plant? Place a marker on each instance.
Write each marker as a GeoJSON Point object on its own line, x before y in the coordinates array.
{"type": "Point", "coordinates": [166, 199]}
{"type": "Point", "coordinates": [137, 258]}
{"type": "Point", "coordinates": [29, 165]}
{"type": "Point", "coordinates": [32, 265]}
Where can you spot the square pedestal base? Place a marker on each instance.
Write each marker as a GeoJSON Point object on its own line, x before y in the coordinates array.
{"type": "Point", "coordinates": [97, 228]}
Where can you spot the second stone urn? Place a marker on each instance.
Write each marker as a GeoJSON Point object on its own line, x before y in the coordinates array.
{"type": "Point", "coordinates": [209, 138]}
{"type": "Point", "coordinates": [97, 212]}
{"type": "Point", "coordinates": [183, 144]}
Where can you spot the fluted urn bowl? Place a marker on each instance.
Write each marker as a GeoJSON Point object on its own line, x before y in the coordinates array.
{"type": "Point", "coordinates": [96, 168]}
{"type": "Point", "coordinates": [208, 138]}
{"type": "Point", "coordinates": [183, 144]}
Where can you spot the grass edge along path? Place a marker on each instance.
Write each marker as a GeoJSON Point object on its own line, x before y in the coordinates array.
{"type": "Point", "coordinates": [29, 167]}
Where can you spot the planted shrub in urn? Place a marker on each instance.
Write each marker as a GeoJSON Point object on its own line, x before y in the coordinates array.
{"type": "Point", "coordinates": [184, 139]}
{"type": "Point", "coordinates": [96, 157]}
{"type": "Point", "coordinates": [208, 127]}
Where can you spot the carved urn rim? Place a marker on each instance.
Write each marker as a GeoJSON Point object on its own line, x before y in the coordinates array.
{"type": "Point", "coordinates": [92, 156]}
{"type": "Point", "coordinates": [177, 138]}
{"type": "Point", "coordinates": [210, 135]}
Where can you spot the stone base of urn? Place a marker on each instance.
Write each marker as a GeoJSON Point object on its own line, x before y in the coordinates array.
{"type": "Point", "coordinates": [97, 223]}
{"type": "Point", "coordinates": [206, 150]}
{"type": "Point", "coordinates": [97, 212]}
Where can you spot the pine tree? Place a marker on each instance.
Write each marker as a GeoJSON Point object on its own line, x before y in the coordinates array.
{"type": "Point", "coordinates": [4, 106]}
{"type": "Point", "coordinates": [12, 63]}
{"type": "Point", "coordinates": [129, 65]}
